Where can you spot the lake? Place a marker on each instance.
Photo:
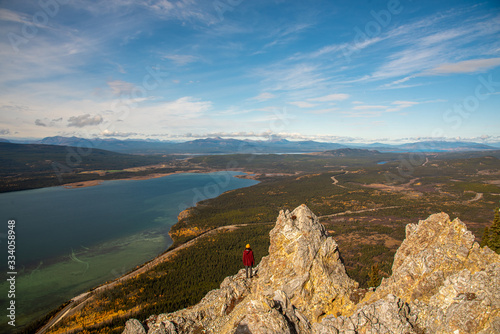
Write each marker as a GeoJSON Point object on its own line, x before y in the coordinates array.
{"type": "Point", "coordinates": [70, 240]}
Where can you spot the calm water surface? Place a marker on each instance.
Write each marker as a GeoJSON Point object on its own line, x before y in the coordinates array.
{"type": "Point", "coordinates": [70, 240]}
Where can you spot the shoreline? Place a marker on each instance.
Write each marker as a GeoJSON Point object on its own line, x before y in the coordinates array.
{"type": "Point", "coordinates": [93, 183]}
{"type": "Point", "coordinates": [79, 300]}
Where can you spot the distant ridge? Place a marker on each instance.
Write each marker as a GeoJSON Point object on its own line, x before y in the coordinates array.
{"type": "Point", "coordinates": [341, 152]}
{"type": "Point", "coordinates": [220, 145]}
{"type": "Point", "coordinates": [215, 145]}
{"type": "Point", "coordinates": [447, 146]}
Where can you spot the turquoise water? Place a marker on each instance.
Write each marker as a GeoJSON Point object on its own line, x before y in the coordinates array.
{"type": "Point", "coordinates": [70, 240]}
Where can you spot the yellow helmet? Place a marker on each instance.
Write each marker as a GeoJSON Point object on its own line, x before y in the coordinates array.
{"type": "Point", "coordinates": [248, 246]}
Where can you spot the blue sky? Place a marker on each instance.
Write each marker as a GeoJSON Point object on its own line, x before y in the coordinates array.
{"type": "Point", "coordinates": [337, 71]}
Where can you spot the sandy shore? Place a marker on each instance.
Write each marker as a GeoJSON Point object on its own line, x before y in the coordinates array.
{"type": "Point", "coordinates": [82, 184]}
{"type": "Point", "coordinates": [92, 183]}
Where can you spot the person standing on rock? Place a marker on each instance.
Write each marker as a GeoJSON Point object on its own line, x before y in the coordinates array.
{"type": "Point", "coordinates": [248, 260]}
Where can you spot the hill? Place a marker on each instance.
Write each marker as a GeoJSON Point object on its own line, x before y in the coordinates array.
{"type": "Point", "coordinates": [28, 166]}
{"type": "Point", "coordinates": [199, 146]}
{"type": "Point", "coordinates": [345, 152]}
{"type": "Point", "coordinates": [235, 146]}
{"type": "Point", "coordinates": [446, 146]}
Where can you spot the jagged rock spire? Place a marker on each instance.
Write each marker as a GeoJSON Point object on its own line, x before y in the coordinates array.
{"type": "Point", "coordinates": [304, 263]}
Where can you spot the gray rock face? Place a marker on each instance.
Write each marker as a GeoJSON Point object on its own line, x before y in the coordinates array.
{"type": "Point", "coordinates": [133, 326]}
{"type": "Point", "coordinates": [447, 279]}
{"type": "Point", "coordinates": [388, 315]}
{"type": "Point", "coordinates": [442, 282]}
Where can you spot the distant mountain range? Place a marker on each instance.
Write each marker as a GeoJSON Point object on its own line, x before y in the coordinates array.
{"type": "Point", "coordinates": [226, 146]}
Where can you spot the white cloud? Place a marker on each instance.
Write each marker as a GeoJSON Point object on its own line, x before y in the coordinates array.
{"type": "Point", "coordinates": [343, 51]}
{"type": "Point", "coordinates": [362, 114]}
{"type": "Point", "coordinates": [120, 87]}
{"type": "Point", "coordinates": [84, 120]}
{"type": "Point", "coordinates": [323, 111]}
{"type": "Point", "coordinates": [330, 98]}
{"type": "Point", "coordinates": [405, 103]}
{"type": "Point", "coordinates": [184, 107]}
{"type": "Point", "coordinates": [11, 16]}
{"type": "Point", "coordinates": [428, 52]}
{"type": "Point", "coordinates": [466, 66]}
{"type": "Point", "coordinates": [292, 77]}
{"type": "Point", "coordinates": [411, 60]}
{"type": "Point", "coordinates": [264, 96]}
{"type": "Point", "coordinates": [364, 110]}
{"type": "Point", "coordinates": [368, 107]}
{"type": "Point", "coordinates": [303, 104]}
{"type": "Point", "coordinates": [108, 133]}
{"type": "Point", "coordinates": [183, 10]}
{"type": "Point", "coordinates": [181, 60]}
{"type": "Point", "coordinates": [399, 105]}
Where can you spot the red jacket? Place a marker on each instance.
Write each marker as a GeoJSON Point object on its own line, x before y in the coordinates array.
{"type": "Point", "coordinates": [248, 257]}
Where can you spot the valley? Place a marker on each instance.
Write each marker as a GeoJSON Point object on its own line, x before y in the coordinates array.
{"type": "Point", "coordinates": [364, 205]}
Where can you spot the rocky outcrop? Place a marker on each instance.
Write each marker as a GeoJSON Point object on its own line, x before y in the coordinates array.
{"type": "Point", "coordinates": [451, 283]}
{"type": "Point", "coordinates": [442, 282]}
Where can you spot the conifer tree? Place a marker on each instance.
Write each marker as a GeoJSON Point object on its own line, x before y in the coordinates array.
{"type": "Point", "coordinates": [485, 237]}
{"type": "Point", "coordinates": [374, 276]}
{"type": "Point", "coordinates": [494, 233]}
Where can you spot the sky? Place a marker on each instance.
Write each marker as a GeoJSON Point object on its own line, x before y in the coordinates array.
{"type": "Point", "coordinates": [336, 71]}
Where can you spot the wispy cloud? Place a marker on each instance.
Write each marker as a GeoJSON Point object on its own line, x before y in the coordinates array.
{"type": "Point", "coordinates": [181, 60]}
{"type": "Point", "coordinates": [466, 66]}
{"type": "Point", "coordinates": [330, 98]}
{"type": "Point", "coordinates": [369, 107]}
{"type": "Point", "coordinates": [365, 110]}
{"type": "Point", "coordinates": [284, 34]}
{"type": "Point", "coordinates": [434, 45]}
{"type": "Point", "coordinates": [183, 10]}
{"type": "Point", "coordinates": [303, 104]}
{"type": "Point", "coordinates": [184, 107]}
{"type": "Point", "coordinates": [323, 111]}
{"type": "Point", "coordinates": [12, 16]}
{"type": "Point", "coordinates": [399, 105]}
{"type": "Point", "coordinates": [411, 60]}
{"type": "Point", "coordinates": [293, 77]}
{"type": "Point", "coordinates": [120, 87]}
{"type": "Point", "coordinates": [264, 96]}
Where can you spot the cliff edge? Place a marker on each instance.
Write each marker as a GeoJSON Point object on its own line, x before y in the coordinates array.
{"type": "Point", "coordinates": [442, 282]}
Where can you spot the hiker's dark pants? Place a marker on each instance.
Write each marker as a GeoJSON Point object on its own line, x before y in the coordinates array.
{"type": "Point", "coordinates": [247, 269]}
